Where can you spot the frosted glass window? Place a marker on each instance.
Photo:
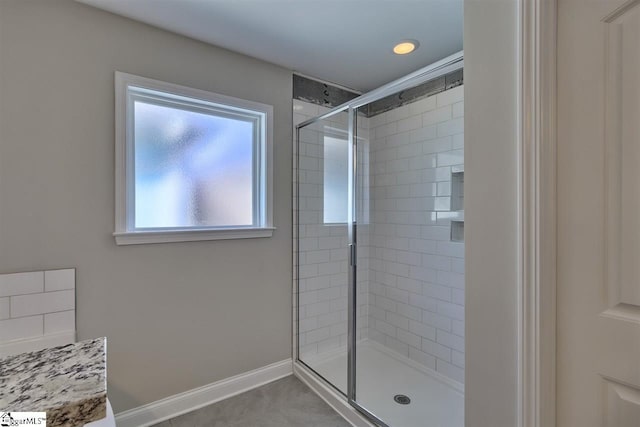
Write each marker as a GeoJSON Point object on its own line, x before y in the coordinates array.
{"type": "Point", "coordinates": [192, 169]}
{"type": "Point", "coordinates": [190, 164]}
{"type": "Point", "coordinates": [336, 180]}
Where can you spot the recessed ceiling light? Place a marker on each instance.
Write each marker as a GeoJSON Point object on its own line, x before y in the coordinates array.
{"type": "Point", "coordinates": [405, 47]}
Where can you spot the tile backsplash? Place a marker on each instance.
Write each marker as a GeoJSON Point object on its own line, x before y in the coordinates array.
{"type": "Point", "coordinates": [36, 305]}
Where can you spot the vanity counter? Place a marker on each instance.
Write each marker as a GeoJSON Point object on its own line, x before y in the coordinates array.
{"type": "Point", "coordinates": [66, 382]}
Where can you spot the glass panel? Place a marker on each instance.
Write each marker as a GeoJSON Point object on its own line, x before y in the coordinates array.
{"type": "Point", "coordinates": [192, 169]}
{"type": "Point", "coordinates": [410, 262]}
{"type": "Point", "coordinates": [336, 161]}
{"type": "Point", "coordinates": [322, 248]}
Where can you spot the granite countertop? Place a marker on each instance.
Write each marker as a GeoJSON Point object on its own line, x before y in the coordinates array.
{"type": "Point", "coordinates": [69, 383]}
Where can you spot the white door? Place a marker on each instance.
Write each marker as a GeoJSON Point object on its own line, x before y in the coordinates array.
{"type": "Point", "coordinates": [598, 364]}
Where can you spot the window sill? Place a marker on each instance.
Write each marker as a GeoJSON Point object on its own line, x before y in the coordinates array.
{"type": "Point", "coordinates": [151, 237]}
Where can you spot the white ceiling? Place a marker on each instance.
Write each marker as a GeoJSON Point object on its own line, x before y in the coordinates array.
{"type": "Point", "coordinates": [347, 42]}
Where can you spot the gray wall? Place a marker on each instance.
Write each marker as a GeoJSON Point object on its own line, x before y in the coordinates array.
{"type": "Point", "coordinates": [177, 315]}
{"type": "Point", "coordinates": [491, 212]}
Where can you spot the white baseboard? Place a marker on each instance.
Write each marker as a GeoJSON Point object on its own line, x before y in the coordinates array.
{"type": "Point", "coordinates": [191, 400]}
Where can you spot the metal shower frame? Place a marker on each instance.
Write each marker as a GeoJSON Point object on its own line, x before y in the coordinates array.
{"type": "Point", "coordinates": [423, 75]}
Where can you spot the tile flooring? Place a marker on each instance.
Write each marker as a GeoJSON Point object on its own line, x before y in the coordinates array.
{"type": "Point", "coordinates": [284, 403]}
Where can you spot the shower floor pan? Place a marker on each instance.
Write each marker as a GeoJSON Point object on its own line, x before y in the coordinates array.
{"type": "Point", "coordinates": [383, 374]}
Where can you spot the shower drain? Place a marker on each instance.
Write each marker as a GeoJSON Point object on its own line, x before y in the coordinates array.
{"type": "Point", "coordinates": [402, 399]}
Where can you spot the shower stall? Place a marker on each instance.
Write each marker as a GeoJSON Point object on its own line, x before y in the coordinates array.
{"type": "Point", "coordinates": [379, 249]}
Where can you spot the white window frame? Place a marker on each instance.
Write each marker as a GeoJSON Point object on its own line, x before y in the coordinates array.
{"type": "Point", "coordinates": [126, 86]}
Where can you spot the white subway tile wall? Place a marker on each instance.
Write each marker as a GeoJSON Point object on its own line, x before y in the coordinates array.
{"type": "Point", "coordinates": [21, 283]}
{"type": "Point", "coordinates": [4, 308]}
{"type": "Point", "coordinates": [417, 272]}
{"type": "Point", "coordinates": [58, 280]}
{"type": "Point", "coordinates": [36, 304]}
{"type": "Point", "coordinates": [410, 273]}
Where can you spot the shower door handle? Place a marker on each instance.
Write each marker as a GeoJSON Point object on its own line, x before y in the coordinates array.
{"type": "Point", "coordinates": [352, 255]}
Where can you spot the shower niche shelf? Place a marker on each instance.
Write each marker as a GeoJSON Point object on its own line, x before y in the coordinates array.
{"type": "Point", "coordinates": [457, 204]}
{"type": "Point", "coordinates": [457, 231]}
{"type": "Point", "coordinates": [457, 189]}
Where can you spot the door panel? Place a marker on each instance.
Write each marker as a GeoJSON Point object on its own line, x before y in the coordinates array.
{"type": "Point", "coordinates": [622, 133]}
{"type": "Point", "coordinates": [598, 369]}
{"type": "Point", "coordinates": [623, 405]}
{"type": "Point", "coordinates": [322, 247]}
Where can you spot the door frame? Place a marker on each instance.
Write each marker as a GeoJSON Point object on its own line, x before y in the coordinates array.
{"type": "Point", "coordinates": [537, 213]}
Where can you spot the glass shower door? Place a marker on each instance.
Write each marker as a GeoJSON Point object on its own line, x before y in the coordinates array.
{"type": "Point", "coordinates": [380, 249]}
{"type": "Point", "coordinates": [322, 252]}
{"type": "Point", "coordinates": [408, 356]}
